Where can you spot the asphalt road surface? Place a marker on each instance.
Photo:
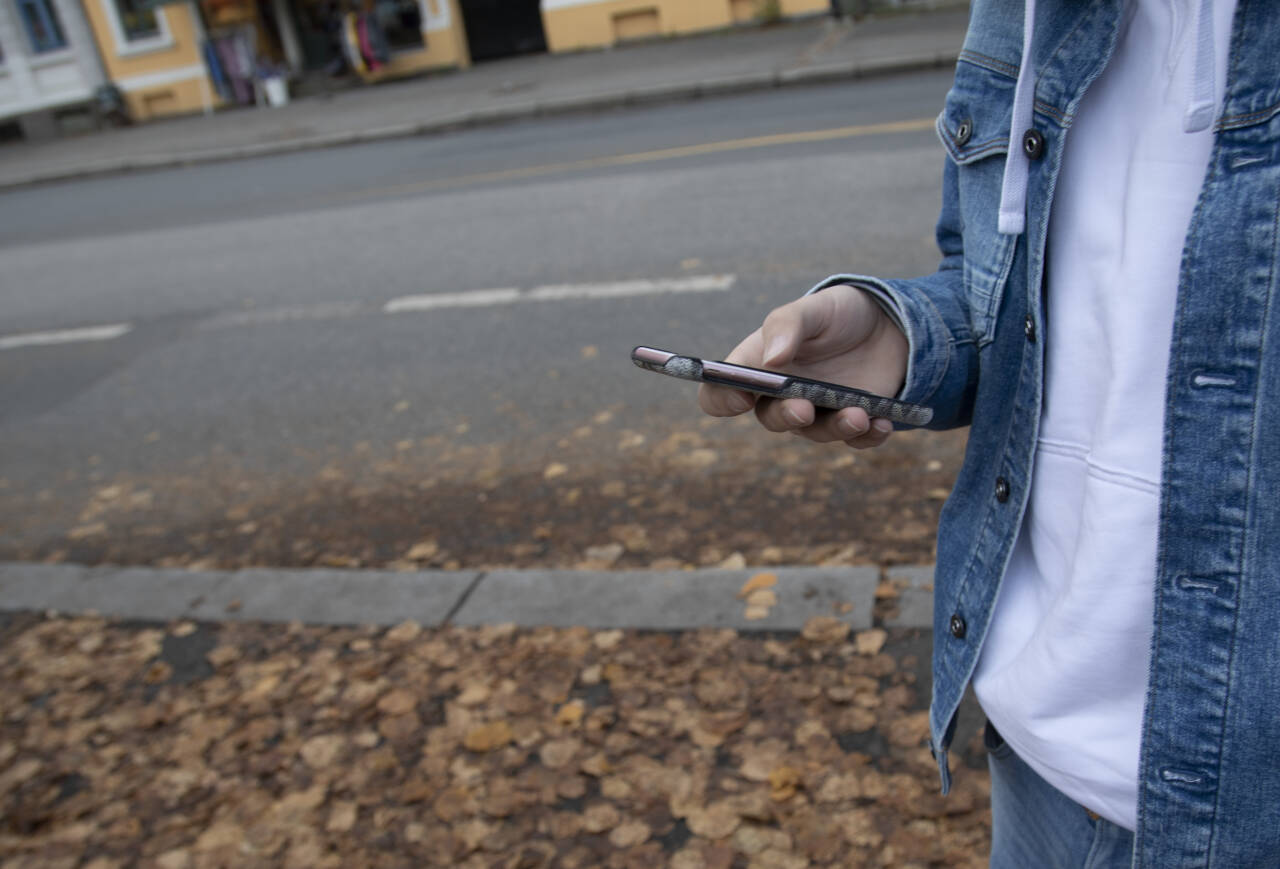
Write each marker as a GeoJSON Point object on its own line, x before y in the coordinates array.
{"type": "Point", "coordinates": [329, 357]}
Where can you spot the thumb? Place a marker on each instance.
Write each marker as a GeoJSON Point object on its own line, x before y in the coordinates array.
{"type": "Point", "coordinates": [786, 328]}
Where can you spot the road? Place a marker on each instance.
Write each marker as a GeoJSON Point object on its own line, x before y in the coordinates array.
{"type": "Point", "coordinates": [332, 357]}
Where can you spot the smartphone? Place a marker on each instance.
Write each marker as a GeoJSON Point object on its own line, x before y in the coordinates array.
{"type": "Point", "coordinates": [776, 385]}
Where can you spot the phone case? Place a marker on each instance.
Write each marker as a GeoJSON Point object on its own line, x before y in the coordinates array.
{"type": "Point", "coordinates": [779, 385]}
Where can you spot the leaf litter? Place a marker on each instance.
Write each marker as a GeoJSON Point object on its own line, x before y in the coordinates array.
{"type": "Point", "coordinates": [473, 747]}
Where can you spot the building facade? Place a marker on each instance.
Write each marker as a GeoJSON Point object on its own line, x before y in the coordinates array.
{"type": "Point", "coordinates": [48, 61]}
{"type": "Point", "coordinates": [166, 57]}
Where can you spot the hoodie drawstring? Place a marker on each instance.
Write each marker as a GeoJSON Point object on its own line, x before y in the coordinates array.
{"type": "Point", "coordinates": [1201, 106]}
{"type": "Point", "coordinates": [1200, 111]}
{"type": "Point", "coordinates": [1013, 192]}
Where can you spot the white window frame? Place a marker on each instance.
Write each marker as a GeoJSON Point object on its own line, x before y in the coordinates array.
{"type": "Point", "coordinates": [126, 47]}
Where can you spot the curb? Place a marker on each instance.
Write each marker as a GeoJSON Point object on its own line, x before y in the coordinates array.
{"type": "Point", "coordinates": [636, 599]}
{"type": "Point", "coordinates": [647, 95]}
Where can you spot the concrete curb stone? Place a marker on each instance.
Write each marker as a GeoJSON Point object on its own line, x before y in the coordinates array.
{"type": "Point", "coordinates": [915, 603]}
{"type": "Point", "coordinates": [636, 599]}
{"type": "Point", "coordinates": [670, 600]}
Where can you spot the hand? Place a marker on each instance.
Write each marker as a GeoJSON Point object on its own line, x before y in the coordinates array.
{"type": "Point", "coordinates": [839, 334]}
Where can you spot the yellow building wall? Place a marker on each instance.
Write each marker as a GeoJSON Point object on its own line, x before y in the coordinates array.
{"type": "Point", "coordinates": [163, 81]}
{"type": "Point", "coordinates": [792, 8]}
{"type": "Point", "coordinates": [598, 24]}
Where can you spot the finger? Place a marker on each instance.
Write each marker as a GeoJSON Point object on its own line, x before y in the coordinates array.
{"type": "Point", "coordinates": [725, 400]}
{"type": "Point", "coordinates": [879, 432]}
{"type": "Point", "coordinates": [828, 426]}
{"type": "Point", "coordinates": [789, 326]}
{"type": "Point", "coordinates": [788, 414]}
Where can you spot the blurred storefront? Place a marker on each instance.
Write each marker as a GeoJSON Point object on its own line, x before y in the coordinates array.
{"type": "Point", "coordinates": [150, 58]}
{"type": "Point", "coordinates": [371, 39]}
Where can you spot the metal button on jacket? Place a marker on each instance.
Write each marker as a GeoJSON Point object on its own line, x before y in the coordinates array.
{"type": "Point", "coordinates": [1032, 144]}
{"type": "Point", "coordinates": [1002, 489]}
{"type": "Point", "coordinates": [958, 627]}
{"type": "Point", "coordinates": [963, 133]}
{"type": "Point", "coordinates": [1029, 328]}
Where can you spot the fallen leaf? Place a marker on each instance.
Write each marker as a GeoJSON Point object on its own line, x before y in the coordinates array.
{"type": "Point", "coordinates": [784, 781]}
{"type": "Point", "coordinates": [93, 529]}
{"type": "Point", "coordinates": [424, 551]}
{"type": "Point", "coordinates": [320, 752]}
{"type": "Point", "coordinates": [600, 817]}
{"type": "Point", "coordinates": [342, 817]}
{"type": "Point", "coordinates": [870, 642]}
{"type": "Point", "coordinates": [570, 714]}
{"type": "Point", "coordinates": [397, 703]}
{"type": "Point", "coordinates": [629, 834]}
{"type": "Point", "coordinates": [558, 752]}
{"type": "Point", "coordinates": [608, 553]}
{"type": "Point", "coordinates": [487, 737]}
{"type": "Point", "coordinates": [825, 629]}
{"type": "Point", "coordinates": [404, 632]}
{"type": "Point", "coordinates": [553, 470]}
{"type": "Point", "coordinates": [474, 693]}
{"type": "Point", "coordinates": [839, 788]}
{"type": "Point", "coordinates": [757, 582]}
{"type": "Point", "coordinates": [606, 640]}
{"type": "Point", "coordinates": [716, 821]}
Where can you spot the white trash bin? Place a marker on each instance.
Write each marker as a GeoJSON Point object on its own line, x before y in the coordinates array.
{"type": "Point", "coordinates": [276, 90]}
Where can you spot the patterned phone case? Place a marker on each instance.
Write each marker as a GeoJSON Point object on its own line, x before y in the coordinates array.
{"type": "Point", "coordinates": [778, 385]}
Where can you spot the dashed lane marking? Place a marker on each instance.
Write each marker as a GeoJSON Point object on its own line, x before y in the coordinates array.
{"type": "Point", "coordinates": [471, 299]}
{"type": "Point", "coordinates": [64, 336]}
{"type": "Point", "coordinates": [559, 292]}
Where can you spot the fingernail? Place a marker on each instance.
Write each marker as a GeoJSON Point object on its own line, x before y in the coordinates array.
{"type": "Point", "coordinates": [883, 426]}
{"type": "Point", "coordinates": [792, 417]}
{"type": "Point", "coordinates": [738, 403]}
{"type": "Point", "coordinates": [848, 429]}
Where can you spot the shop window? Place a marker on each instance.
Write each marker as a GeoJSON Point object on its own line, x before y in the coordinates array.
{"type": "Point", "coordinates": [138, 19]}
{"type": "Point", "coordinates": [44, 30]}
{"type": "Point", "coordinates": [401, 21]}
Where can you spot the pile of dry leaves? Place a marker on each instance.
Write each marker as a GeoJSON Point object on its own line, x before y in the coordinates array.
{"type": "Point", "coordinates": [255, 745]}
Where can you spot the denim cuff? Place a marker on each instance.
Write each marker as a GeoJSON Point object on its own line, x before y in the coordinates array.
{"type": "Point", "coordinates": [924, 368]}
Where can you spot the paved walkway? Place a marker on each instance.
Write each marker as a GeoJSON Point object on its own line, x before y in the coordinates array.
{"type": "Point", "coordinates": [761, 599]}
{"type": "Point", "coordinates": [795, 53]}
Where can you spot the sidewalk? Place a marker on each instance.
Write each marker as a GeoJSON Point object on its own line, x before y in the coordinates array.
{"type": "Point", "coordinates": [794, 53]}
{"type": "Point", "coordinates": [221, 741]}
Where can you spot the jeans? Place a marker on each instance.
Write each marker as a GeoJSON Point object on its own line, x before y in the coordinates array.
{"type": "Point", "coordinates": [1035, 825]}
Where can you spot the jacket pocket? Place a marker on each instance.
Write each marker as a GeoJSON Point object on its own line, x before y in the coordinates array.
{"type": "Point", "coordinates": [974, 129]}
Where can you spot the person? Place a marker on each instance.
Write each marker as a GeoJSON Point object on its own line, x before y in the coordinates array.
{"type": "Point", "coordinates": [1106, 320]}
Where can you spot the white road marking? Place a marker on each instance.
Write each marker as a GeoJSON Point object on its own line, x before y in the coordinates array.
{"type": "Point", "coordinates": [318, 311]}
{"type": "Point", "coordinates": [620, 289]}
{"type": "Point", "coordinates": [471, 299]}
{"type": "Point", "coordinates": [558, 292]}
{"type": "Point", "coordinates": [425, 302]}
{"type": "Point", "coordinates": [64, 336]}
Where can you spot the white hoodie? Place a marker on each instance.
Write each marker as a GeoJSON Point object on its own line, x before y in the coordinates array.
{"type": "Point", "coordinates": [1063, 672]}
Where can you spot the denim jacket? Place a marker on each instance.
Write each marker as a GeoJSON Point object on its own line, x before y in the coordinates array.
{"type": "Point", "coordinates": [1209, 786]}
